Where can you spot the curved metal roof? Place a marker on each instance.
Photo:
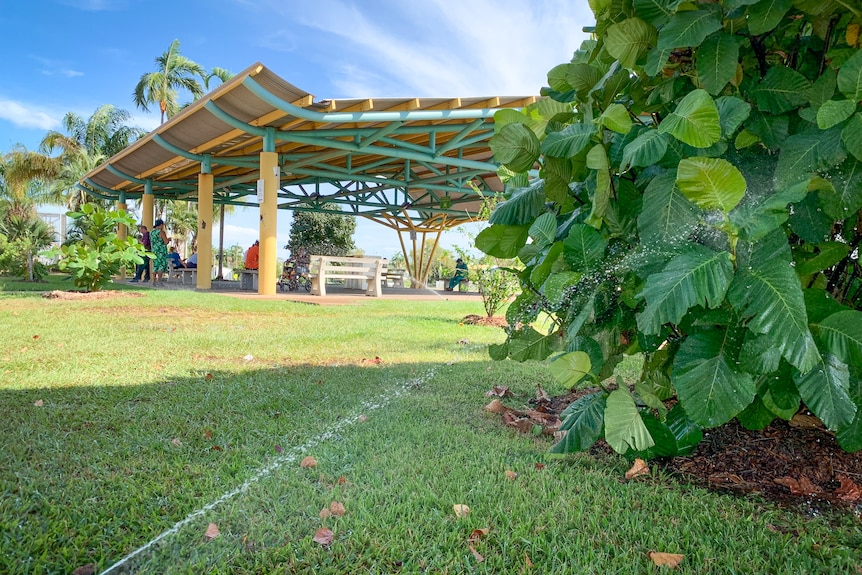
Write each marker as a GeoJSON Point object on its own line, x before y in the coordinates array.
{"type": "Point", "coordinates": [404, 162]}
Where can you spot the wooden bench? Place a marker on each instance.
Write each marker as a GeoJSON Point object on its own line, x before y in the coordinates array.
{"type": "Point", "coordinates": [182, 274]}
{"type": "Point", "coordinates": [369, 270]}
{"type": "Point", "coordinates": [247, 279]}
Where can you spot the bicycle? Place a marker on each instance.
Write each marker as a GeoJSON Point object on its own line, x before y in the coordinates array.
{"type": "Point", "coordinates": [293, 280]}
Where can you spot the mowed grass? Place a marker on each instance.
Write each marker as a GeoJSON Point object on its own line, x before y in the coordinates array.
{"type": "Point", "coordinates": [162, 412]}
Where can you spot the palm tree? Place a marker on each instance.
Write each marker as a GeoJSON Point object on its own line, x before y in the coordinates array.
{"type": "Point", "coordinates": [219, 74]}
{"type": "Point", "coordinates": [30, 234]}
{"type": "Point", "coordinates": [25, 176]}
{"type": "Point", "coordinates": [174, 72]}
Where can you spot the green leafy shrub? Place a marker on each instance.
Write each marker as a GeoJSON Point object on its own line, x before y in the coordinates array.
{"type": "Point", "coordinates": [699, 203]}
{"type": "Point", "coordinates": [99, 254]}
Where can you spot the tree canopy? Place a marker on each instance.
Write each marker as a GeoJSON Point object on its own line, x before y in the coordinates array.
{"type": "Point", "coordinates": [322, 233]}
{"type": "Point", "coordinates": [700, 181]}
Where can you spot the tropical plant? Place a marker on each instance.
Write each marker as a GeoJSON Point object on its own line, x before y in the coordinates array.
{"type": "Point", "coordinates": [699, 202]}
{"type": "Point", "coordinates": [321, 233]}
{"type": "Point", "coordinates": [101, 253]}
{"type": "Point", "coordinates": [24, 179]}
{"type": "Point", "coordinates": [26, 236]}
{"type": "Point", "coordinates": [174, 72]}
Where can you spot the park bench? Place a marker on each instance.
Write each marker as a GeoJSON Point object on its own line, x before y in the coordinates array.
{"type": "Point", "coordinates": [394, 277]}
{"type": "Point", "coordinates": [182, 274]}
{"type": "Point", "coordinates": [369, 271]}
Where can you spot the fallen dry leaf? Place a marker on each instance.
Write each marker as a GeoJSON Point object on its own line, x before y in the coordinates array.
{"type": "Point", "coordinates": [38, 403]}
{"type": "Point", "coordinates": [803, 486]}
{"type": "Point", "coordinates": [208, 377]}
{"type": "Point", "coordinates": [461, 510]}
{"type": "Point", "coordinates": [35, 337]}
{"type": "Point", "coordinates": [212, 531]}
{"type": "Point", "coordinates": [476, 554]}
{"type": "Point", "coordinates": [541, 394]}
{"type": "Point", "coordinates": [666, 559]}
{"type": "Point", "coordinates": [511, 475]}
{"type": "Point", "coordinates": [337, 508]}
{"type": "Point", "coordinates": [325, 513]}
{"type": "Point", "coordinates": [802, 421]}
{"type": "Point", "coordinates": [522, 424]}
{"type": "Point", "coordinates": [308, 461]}
{"type": "Point", "coordinates": [540, 466]}
{"type": "Point", "coordinates": [848, 491]}
{"type": "Point", "coordinates": [208, 434]}
{"type": "Point", "coordinates": [477, 534]}
{"type": "Point", "coordinates": [323, 536]}
{"type": "Point", "coordinates": [176, 442]}
{"type": "Point", "coordinates": [216, 448]}
{"type": "Point", "coordinates": [639, 468]}
{"type": "Point", "coordinates": [497, 406]}
{"type": "Point", "coordinates": [527, 562]}
{"type": "Point", "coordinates": [362, 418]}
{"type": "Point", "coordinates": [88, 569]}
{"type": "Point", "coordinates": [498, 391]}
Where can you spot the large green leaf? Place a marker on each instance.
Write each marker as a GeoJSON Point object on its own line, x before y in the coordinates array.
{"type": "Point", "coordinates": [502, 241]}
{"type": "Point", "coordinates": [833, 112]}
{"type": "Point", "coordinates": [557, 174]}
{"type": "Point", "coordinates": [756, 416]}
{"type": "Point", "coordinates": [768, 292]}
{"type": "Point", "coordinates": [707, 378]}
{"type": "Point", "coordinates": [781, 90]}
{"type": "Point", "coordinates": [568, 142]}
{"type": "Point", "coordinates": [516, 146]}
{"type": "Point", "coordinates": [584, 248]}
{"type": "Point", "coordinates": [616, 118]}
{"type": "Point", "coordinates": [582, 420]}
{"type": "Point", "coordinates": [544, 229]}
{"type": "Point", "coordinates": [773, 130]}
{"type": "Point", "coordinates": [807, 152]}
{"type": "Point", "coordinates": [842, 334]}
{"type": "Point", "coordinates": [581, 77]}
{"type": "Point", "coordinates": [555, 286]}
{"type": "Point", "coordinates": [824, 391]}
{"type": "Point", "coordinates": [732, 113]}
{"type": "Point", "coordinates": [711, 183]}
{"type": "Point", "coordinates": [762, 213]}
{"type": "Point", "coordinates": [686, 432]}
{"type": "Point", "coordinates": [645, 150]}
{"type": "Point", "coordinates": [695, 120]}
{"type": "Point", "coordinates": [597, 159]}
{"type": "Point", "coordinates": [758, 355]}
{"type": "Point", "coordinates": [851, 135]}
{"type": "Point", "coordinates": [766, 14]}
{"type": "Point", "coordinates": [528, 344]}
{"type": "Point", "coordinates": [850, 77]}
{"type": "Point", "coordinates": [850, 437]}
{"type": "Point", "coordinates": [781, 396]}
{"type": "Point", "coordinates": [698, 277]}
{"type": "Point", "coordinates": [822, 89]}
{"type": "Point", "coordinates": [828, 254]}
{"type": "Point", "coordinates": [717, 59]}
{"type": "Point", "coordinates": [624, 428]}
{"type": "Point", "coordinates": [656, 12]}
{"type": "Point", "coordinates": [656, 60]}
{"type": "Point", "coordinates": [689, 28]}
{"type": "Point", "coordinates": [522, 207]}
{"type": "Point", "coordinates": [667, 216]}
{"type": "Point", "coordinates": [844, 198]}
{"type": "Point", "coordinates": [570, 368]}
{"type": "Point", "coordinates": [628, 40]}
{"type": "Point", "coordinates": [809, 221]}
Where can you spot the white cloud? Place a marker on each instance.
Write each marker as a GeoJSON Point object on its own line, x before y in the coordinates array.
{"type": "Point", "coordinates": [26, 115]}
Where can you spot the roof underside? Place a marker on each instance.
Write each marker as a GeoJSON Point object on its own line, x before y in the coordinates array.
{"type": "Point", "coordinates": [415, 162]}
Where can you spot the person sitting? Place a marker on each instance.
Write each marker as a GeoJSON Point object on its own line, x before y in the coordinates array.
{"type": "Point", "coordinates": [460, 274]}
{"type": "Point", "coordinates": [251, 256]}
{"type": "Point", "coordinates": [175, 259]}
{"type": "Point", "coordinates": [192, 262]}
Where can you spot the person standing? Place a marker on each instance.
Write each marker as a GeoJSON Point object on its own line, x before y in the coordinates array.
{"type": "Point", "coordinates": [252, 255]}
{"type": "Point", "coordinates": [159, 241]}
{"type": "Point", "coordinates": [142, 270]}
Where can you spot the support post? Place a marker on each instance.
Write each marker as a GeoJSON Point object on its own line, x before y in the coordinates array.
{"type": "Point", "coordinates": [122, 230]}
{"type": "Point", "coordinates": [271, 175]}
{"type": "Point", "coordinates": [205, 230]}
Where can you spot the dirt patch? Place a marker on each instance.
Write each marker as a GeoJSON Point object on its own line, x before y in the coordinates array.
{"type": "Point", "coordinates": [797, 463]}
{"type": "Point", "coordinates": [485, 320]}
{"type": "Point", "coordinates": [89, 295]}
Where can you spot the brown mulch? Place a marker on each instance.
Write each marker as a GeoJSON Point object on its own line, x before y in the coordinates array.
{"type": "Point", "coordinates": [494, 321]}
{"type": "Point", "coordinates": [796, 463]}
{"type": "Point", "coordinates": [89, 295]}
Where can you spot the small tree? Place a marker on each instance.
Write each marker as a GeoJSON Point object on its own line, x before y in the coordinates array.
{"type": "Point", "coordinates": [100, 254]}
{"type": "Point", "coordinates": [321, 233]}
{"type": "Point", "coordinates": [699, 203]}
{"type": "Point", "coordinates": [27, 235]}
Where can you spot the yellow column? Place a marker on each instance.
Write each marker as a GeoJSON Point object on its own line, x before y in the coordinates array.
{"type": "Point", "coordinates": [148, 209]}
{"type": "Point", "coordinates": [122, 233]}
{"type": "Point", "coordinates": [269, 173]}
{"type": "Point", "coordinates": [205, 231]}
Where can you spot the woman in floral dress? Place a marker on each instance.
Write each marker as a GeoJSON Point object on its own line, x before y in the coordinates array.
{"type": "Point", "coordinates": [159, 242]}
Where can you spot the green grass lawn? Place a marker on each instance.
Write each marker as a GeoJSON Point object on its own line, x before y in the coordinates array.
{"type": "Point", "coordinates": [162, 414]}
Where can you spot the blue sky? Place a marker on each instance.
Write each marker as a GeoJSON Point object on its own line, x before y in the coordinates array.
{"type": "Point", "coordinates": [74, 55]}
